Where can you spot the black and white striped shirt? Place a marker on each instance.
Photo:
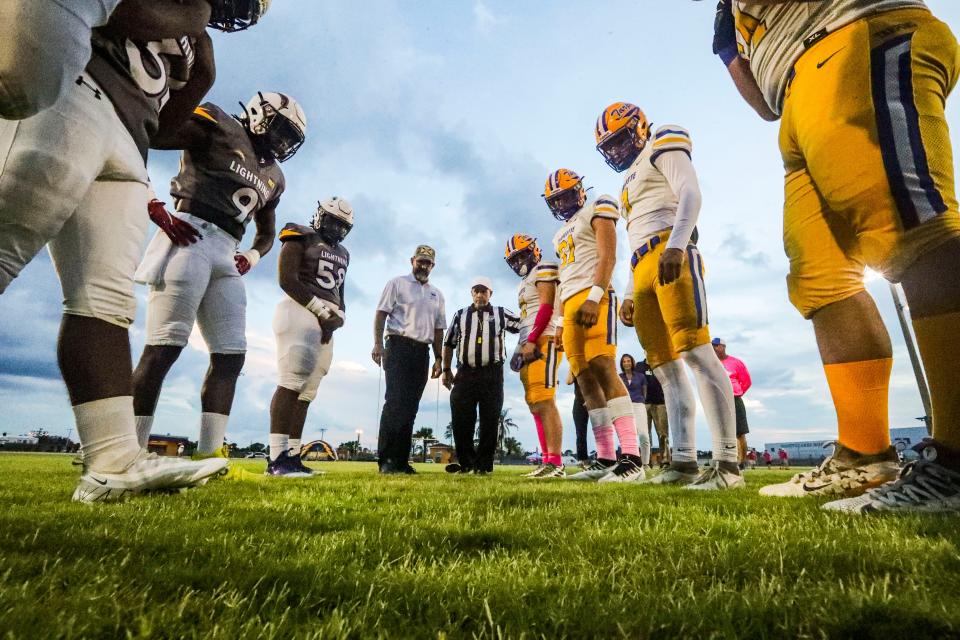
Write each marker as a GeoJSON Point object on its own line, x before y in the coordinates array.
{"type": "Point", "coordinates": [477, 334]}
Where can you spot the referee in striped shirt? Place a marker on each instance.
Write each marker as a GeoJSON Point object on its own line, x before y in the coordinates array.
{"type": "Point", "coordinates": [476, 334]}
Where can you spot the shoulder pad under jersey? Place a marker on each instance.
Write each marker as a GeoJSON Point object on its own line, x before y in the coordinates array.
{"type": "Point", "coordinates": [294, 231]}
{"type": "Point", "coordinates": [671, 137]}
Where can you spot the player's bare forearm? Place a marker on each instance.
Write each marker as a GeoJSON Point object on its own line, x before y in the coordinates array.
{"type": "Point", "coordinates": [159, 19]}
{"type": "Point", "coordinates": [437, 342]}
{"type": "Point", "coordinates": [266, 221]}
{"type": "Point", "coordinates": [606, 232]}
{"type": "Point", "coordinates": [447, 357]}
{"type": "Point", "coordinates": [746, 84]}
{"type": "Point", "coordinates": [177, 130]}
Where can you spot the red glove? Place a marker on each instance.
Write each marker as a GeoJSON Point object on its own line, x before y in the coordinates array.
{"type": "Point", "coordinates": [246, 260]}
{"type": "Point", "coordinates": [243, 265]}
{"type": "Point", "coordinates": [180, 233]}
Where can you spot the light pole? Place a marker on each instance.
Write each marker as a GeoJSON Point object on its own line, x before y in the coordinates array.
{"type": "Point", "coordinates": [912, 351]}
{"type": "Point", "coordinates": [359, 433]}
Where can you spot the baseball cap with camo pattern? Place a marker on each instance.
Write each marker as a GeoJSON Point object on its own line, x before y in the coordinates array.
{"type": "Point", "coordinates": [426, 252]}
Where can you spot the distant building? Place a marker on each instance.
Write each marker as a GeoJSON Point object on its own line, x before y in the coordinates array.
{"type": "Point", "coordinates": [18, 440]}
{"type": "Point", "coordinates": [903, 439]}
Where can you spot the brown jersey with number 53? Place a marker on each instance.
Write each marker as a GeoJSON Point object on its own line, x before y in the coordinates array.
{"type": "Point", "coordinates": [225, 182]}
{"type": "Point", "coordinates": [323, 268]}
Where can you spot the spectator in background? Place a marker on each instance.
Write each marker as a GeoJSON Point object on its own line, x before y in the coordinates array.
{"type": "Point", "coordinates": [636, 384]}
{"type": "Point", "coordinates": [784, 458]}
{"type": "Point", "coordinates": [740, 379]}
{"type": "Point", "coordinates": [581, 419]}
{"type": "Point", "coordinates": [767, 458]}
{"type": "Point", "coordinates": [656, 412]}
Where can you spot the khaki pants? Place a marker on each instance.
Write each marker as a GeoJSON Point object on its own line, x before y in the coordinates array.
{"type": "Point", "coordinates": [657, 418]}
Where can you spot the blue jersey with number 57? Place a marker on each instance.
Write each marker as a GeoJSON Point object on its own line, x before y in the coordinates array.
{"type": "Point", "coordinates": [323, 268]}
{"type": "Point", "coordinates": [225, 182]}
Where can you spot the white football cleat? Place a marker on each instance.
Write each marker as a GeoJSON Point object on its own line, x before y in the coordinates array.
{"type": "Point", "coordinates": [924, 486]}
{"type": "Point", "coordinates": [626, 471]}
{"type": "Point", "coordinates": [843, 474]}
{"type": "Point", "coordinates": [148, 472]}
{"type": "Point", "coordinates": [672, 475]}
{"type": "Point", "coordinates": [714, 478]}
{"type": "Point", "coordinates": [594, 472]}
{"type": "Point", "coordinates": [535, 472]}
{"type": "Point", "coordinates": [550, 472]}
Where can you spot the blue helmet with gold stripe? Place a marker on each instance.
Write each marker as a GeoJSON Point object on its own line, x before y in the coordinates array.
{"type": "Point", "coordinates": [622, 132]}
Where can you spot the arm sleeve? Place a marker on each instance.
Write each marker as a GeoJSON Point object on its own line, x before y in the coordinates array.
{"type": "Point", "coordinates": [628, 290]}
{"type": "Point", "coordinates": [678, 169]}
{"type": "Point", "coordinates": [388, 299]}
{"type": "Point", "coordinates": [453, 333]}
{"type": "Point", "coordinates": [343, 300]}
{"type": "Point", "coordinates": [544, 313]}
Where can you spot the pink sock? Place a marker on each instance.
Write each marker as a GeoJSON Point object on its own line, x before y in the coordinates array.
{"type": "Point", "coordinates": [554, 459]}
{"type": "Point", "coordinates": [540, 435]}
{"type": "Point", "coordinates": [606, 447]}
{"type": "Point", "coordinates": [626, 428]}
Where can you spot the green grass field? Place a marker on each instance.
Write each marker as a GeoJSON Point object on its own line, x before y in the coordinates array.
{"type": "Point", "coordinates": [355, 555]}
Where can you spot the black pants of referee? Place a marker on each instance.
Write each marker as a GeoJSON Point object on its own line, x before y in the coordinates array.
{"type": "Point", "coordinates": [477, 391]}
{"type": "Point", "coordinates": [406, 365]}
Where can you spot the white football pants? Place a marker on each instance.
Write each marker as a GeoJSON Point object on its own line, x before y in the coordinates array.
{"type": "Point", "coordinates": [198, 283]}
{"type": "Point", "coordinates": [44, 45]}
{"type": "Point", "coordinates": [73, 177]}
{"type": "Point", "coordinates": [302, 361]}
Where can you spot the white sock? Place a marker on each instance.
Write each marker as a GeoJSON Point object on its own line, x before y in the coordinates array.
{"type": "Point", "coordinates": [716, 396]}
{"type": "Point", "coordinates": [107, 433]}
{"type": "Point", "coordinates": [293, 446]}
{"type": "Point", "coordinates": [278, 444]}
{"type": "Point", "coordinates": [213, 427]}
{"type": "Point", "coordinates": [643, 432]}
{"type": "Point", "coordinates": [144, 425]}
{"type": "Point", "coordinates": [681, 409]}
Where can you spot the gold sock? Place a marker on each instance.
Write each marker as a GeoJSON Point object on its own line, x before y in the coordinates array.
{"type": "Point", "coordinates": [860, 393]}
{"type": "Point", "coordinates": [938, 338]}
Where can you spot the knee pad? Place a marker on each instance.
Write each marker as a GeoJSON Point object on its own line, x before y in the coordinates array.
{"type": "Point", "coordinates": [295, 367]}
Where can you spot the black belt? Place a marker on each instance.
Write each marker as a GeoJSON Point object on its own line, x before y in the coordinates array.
{"type": "Point", "coordinates": [397, 336]}
{"type": "Point", "coordinates": [485, 367]}
{"type": "Point", "coordinates": [644, 249]}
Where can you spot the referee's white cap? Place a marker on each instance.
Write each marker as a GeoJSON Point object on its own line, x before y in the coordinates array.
{"type": "Point", "coordinates": [481, 281]}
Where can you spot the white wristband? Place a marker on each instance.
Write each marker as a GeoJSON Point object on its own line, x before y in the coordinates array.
{"type": "Point", "coordinates": [558, 321]}
{"type": "Point", "coordinates": [252, 256]}
{"type": "Point", "coordinates": [595, 293]}
{"type": "Point", "coordinates": [318, 308]}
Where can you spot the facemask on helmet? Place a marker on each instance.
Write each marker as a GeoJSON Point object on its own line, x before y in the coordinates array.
{"type": "Point", "coordinates": [522, 254]}
{"type": "Point", "coordinates": [333, 220]}
{"type": "Point", "coordinates": [621, 134]}
{"type": "Point", "coordinates": [564, 194]}
{"type": "Point", "coordinates": [236, 15]}
{"type": "Point", "coordinates": [278, 123]}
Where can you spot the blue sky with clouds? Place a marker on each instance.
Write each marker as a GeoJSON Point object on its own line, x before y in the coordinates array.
{"type": "Point", "coordinates": [440, 121]}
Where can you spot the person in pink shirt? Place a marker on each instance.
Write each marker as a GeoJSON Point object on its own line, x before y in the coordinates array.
{"type": "Point", "coordinates": [740, 379]}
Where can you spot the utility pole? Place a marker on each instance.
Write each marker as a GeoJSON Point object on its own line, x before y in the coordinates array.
{"type": "Point", "coordinates": [323, 430]}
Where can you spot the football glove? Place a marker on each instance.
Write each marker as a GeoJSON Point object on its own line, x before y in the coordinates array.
{"type": "Point", "coordinates": [246, 260]}
{"type": "Point", "coordinates": [725, 33]}
{"type": "Point", "coordinates": [180, 233]}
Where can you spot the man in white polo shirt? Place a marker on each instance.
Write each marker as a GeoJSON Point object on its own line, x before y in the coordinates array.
{"type": "Point", "coordinates": [412, 312]}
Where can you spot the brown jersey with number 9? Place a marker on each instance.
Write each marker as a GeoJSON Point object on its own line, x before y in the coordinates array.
{"type": "Point", "coordinates": [225, 182]}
